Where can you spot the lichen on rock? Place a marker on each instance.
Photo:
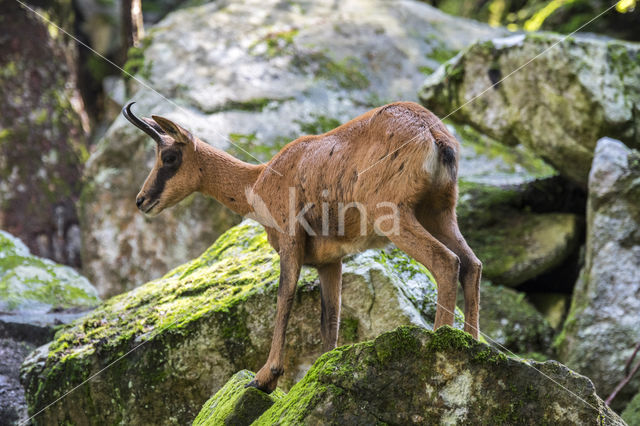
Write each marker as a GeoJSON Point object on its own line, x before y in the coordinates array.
{"type": "Point", "coordinates": [33, 285]}
{"type": "Point", "coordinates": [601, 328]}
{"type": "Point", "coordinates": [587, 89]}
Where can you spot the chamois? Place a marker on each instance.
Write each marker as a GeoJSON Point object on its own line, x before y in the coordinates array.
{"type": "Point", "coordinates": [323, 197]}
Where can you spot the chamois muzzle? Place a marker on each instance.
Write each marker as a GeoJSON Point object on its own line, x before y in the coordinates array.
{"type": "Point", "coordinates": [141, 124]}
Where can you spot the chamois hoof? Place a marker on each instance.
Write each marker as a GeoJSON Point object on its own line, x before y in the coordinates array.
{"type": "Point", "coordinates": [254, 384]}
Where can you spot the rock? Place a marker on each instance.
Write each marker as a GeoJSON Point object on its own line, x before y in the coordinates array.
{"type": "Point", "coordinates": [588, 89]}
{"type": "Point", "coordinates": [207, 319]}
{"type": "Point", "coordinates": [601, 329]}
{"type": "Point", "coordinates": [515, 245]}
{"type": "Point", "coordinates": [36, 294]}
{"type": "Point", "coordinates": [512, 321]}
{"type": "Point", "coordinates": [524, 246]}
{"type": "Point", "coordinates": [42, 133]}
{"type": "Point", "coordinates": [236, 405]}
{"type": "Point", "coordinates": [248, 76]}
{"type": "Point", "coordinates": [415, 376]}
{"type": "Point", "coordinates": [13, 407]}
{"type": "Point", "coordinates": [631, 413]}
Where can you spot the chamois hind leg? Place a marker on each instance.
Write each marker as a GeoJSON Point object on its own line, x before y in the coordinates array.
{"type": "Point", "coordinates": [330, 291]}
{"type": "Point", "coordinates": [417, 242]}
{"type": "Point", "coordinates": [291, 253]}
{"type": "Point", "coordinates": [444, 226]}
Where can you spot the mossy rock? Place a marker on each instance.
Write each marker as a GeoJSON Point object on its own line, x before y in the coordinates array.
{"type": "Point", "coordinates": [235, 405]}
{"type": "Point", "coordinates": [207, 319]}
{"type": "Point", "coordinates": [510, 320]}
{"type": "Point", "coordinates": [415, 376]}
{"type": "Point", "coordinates": [631, 413]}
{"type": "Point", "coordinates": [33, 285]}
{"type": "Point", "coordinates": [586, 89]}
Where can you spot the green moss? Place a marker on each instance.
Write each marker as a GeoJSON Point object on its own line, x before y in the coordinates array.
{"type": "Point", "coordinates": [247, 147]}
{"type": "Point", "coordinates": [136, 63]}
{"type": "Point", "coordinates": [448, 338]}
{"type": "Point", "coordinates": [631, 413]}
{"type": "Point", "coordinates": [425, 70]}
{"type": "Point", "coordinates": [320, 124]}
{"type": "Point", "coordinates": [441, 54]}
{"type": "Point", "coordinates": [349, 329]}
{"type": "Point", "coordinates": [236, 405]}
{"type": "Point", "coordinates": [345, 72]}
{"type": "Point", "coordinates": [278, 43]}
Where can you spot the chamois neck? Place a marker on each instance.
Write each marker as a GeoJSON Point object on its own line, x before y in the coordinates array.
{"type": "Point", "coordinates": [226, 178]}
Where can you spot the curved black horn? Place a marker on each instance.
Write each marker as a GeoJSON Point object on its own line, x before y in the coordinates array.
{"type": "Point", "coordinates": [140, 124]}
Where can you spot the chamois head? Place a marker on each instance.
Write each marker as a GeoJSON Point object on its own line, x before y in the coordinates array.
{"type": "Point", "coordinates": [176, 173]}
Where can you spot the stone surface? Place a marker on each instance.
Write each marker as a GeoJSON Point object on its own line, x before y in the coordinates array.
{"type": "Point", "coordinates": [524, 246]}
{"type": "Point", "coordinates": [249, 76]}
{"type": "Point", "coordinates": [601, 329]}
{"type": "Point", "coordinates": [587, 89]}
{"type": "Point", "coordinates": [36, 296]}
{"type": "Point", "coordinates": [235, 405]}
{"type": "Point", "coordinates": [415, 376]}
{"type": "Point", "coordinates": [631, 413]}
{"type": "Point", "coordinates": [206, 320]}
{"type": "Point", "coordinates": [30, 285]}
{"type": "Point", "coordinates": [511, 321]}
{"type": "Point", "coordinates": [42, 133]}
{"type": "Point", "coordinates": [13, 406]}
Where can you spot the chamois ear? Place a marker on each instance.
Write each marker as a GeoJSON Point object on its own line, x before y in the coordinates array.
{"type": "Point", "coordinates": [177, 132]}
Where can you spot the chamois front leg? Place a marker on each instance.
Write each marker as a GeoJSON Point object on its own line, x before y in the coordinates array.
{"type": "Point", "coordinates": [290, 263]}
{"type": "Point", "coordinates": [330, 293]}
{"type": "Point", "coordinates": [417, 242]}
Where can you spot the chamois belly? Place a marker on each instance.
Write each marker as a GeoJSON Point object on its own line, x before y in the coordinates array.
{"type": "Point", "coordinates": [321, 250]}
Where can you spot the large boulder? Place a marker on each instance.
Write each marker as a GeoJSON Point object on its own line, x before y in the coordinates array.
{"type": "Point", "coordinates": [205, 320]}
{"type": "Point", "coordinates": [601, 329]}
{"type": "Point", "coordinates": [248, 76]}
{"type": "Point", "coordinates": [37, 294]}
{"type": "Point", "coordinates": [42, 137]}
{"type": "Point", "coordinates": [415, 376]}
{"type": "Point", "coordinates": [584, 88]}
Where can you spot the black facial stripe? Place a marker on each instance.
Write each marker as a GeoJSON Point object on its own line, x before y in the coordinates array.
{"type": "Point", "coordinates": [165, 173]}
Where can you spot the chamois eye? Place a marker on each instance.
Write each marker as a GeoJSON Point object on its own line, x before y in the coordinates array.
{"type": "Point", "coordinates": [169, 159]}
